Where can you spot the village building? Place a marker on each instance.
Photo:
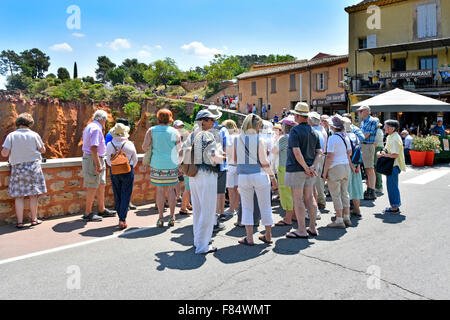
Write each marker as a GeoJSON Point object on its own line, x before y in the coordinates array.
{"type": "Point", "coordinates": [400, 44]}
{"type": "Point", "coordinates": [318, 82]}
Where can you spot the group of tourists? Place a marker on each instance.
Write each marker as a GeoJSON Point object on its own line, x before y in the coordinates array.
{"type": "Point", "coordinates": [302, 156]}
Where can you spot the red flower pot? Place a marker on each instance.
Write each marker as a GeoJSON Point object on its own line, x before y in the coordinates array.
{"type": "Point", "coordinates": [429, 158]}
{"type": "Point", "coordinates": [418, 158]}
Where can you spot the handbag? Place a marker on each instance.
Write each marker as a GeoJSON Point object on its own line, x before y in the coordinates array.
{"type": "Point", "coordinates": [385, 166]}
{"type": "Point", "coordinates": [148, 155]}
{"type": "Point", "coordinates": [188, 166]}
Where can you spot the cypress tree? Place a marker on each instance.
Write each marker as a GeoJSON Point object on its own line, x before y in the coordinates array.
{"type": "Point", "coordinates": [75, 71]}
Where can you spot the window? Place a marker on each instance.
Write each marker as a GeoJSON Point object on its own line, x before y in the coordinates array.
{"type": "Point", "coordinates": [371, 41]}
{"type": "Point", "coordinates": [399, 65]}
{"type": "Point", "coordinates": [273, 85]}
{"type": "Point", "coordinates": [428, 63]}
{"type": "Point", "coordinates": [293, 86]}
{"type": "Point", "coordinates": [320, 82]}
{"type": "Point", "coordinates": [253, 88]}
{"type": "Point", "coordinates": [427, 21]}
{"type": "Point", "coordinates": [363, 43]}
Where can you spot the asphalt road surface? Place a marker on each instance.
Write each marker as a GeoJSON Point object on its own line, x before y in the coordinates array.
{"type": "Point", "coordinates": [404, 256]}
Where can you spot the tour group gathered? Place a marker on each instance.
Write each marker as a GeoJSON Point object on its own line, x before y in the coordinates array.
{"type": "Point", "coordinates": [298, 160]}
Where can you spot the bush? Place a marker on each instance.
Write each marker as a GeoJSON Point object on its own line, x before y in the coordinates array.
{"type": "Point", "coordinates": [122, 94]}
{"type": "Point", "coordinates": [133, 112]}
{"type": "Point", "coordinates": [429, 143]}
{"type": "Point", "coordinates": [70, 90]}
{"type": "Point", "coordinates": [196, 110]}
{"type": "Point", "coordinates": [18, 81]}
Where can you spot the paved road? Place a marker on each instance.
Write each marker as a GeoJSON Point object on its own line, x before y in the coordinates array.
{"type": "Point", "coordinates": [409, 252]}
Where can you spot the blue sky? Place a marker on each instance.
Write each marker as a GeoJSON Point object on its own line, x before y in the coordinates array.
{"type": "Point", "coordinates": [189, 31]}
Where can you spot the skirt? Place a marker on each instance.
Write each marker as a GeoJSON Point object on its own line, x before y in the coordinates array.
{"type": "Point", "coordinates": [164, 177]}
{"type": "Point", "coordinates": [27, 179]}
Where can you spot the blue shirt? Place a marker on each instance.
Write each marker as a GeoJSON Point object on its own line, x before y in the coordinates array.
{"type": "Point", "coordinates": [108, 138]}
{"type": "Point", "coordinates": [226, 142]}
{"type": "Point", "coordinates": [304, 137]}
{"type": "Point", "coordinates": [370, 125]}
{"type": "Point", "coordinates": [439, 130]}
{"type": "Point", "coordinates": [357, 131]}
{"type": "Point", "coordinates": [321, 138]}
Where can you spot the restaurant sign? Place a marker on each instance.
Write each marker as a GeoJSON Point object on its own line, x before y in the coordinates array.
{"type": "Point", "coordinates": [336, 97]}
{"type": "Point", "coordinates": [412, 74]}
{"type": "Point", "coordinates": [319, 102]}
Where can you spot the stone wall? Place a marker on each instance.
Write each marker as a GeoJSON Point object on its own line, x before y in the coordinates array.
{"type": "Point", "coordinates": [65, 190]}
{"type": "Point", "coordinates": [191, 86]}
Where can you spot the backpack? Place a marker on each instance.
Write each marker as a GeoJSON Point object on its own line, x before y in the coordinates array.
{"type": "Point", "coordinates": [119, 161]}
{"type": "Point", "coordinates": [187, 165]}
{"type": "Point", "coordinates": [356, 149]}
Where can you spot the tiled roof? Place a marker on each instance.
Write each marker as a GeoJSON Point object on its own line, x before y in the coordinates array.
{"type": "Point", "coordinates": [292, 67]}
{"type": "Point", "coordinates": [366, 3]}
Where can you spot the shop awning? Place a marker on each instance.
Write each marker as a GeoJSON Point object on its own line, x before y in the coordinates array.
{"type": "Point", "coordinates": [410, 46]}
{"type": "Point", "coordinates": [398, 100]}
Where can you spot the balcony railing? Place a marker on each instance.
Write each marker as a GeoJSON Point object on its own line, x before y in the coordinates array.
{"type": "Point", "coordinates": [408, 80]}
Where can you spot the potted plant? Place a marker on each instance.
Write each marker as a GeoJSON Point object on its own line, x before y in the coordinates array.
{"type": "Point", "coordinates": [432, 144]}
{"type": "Point", "coordinates": [418, 152]}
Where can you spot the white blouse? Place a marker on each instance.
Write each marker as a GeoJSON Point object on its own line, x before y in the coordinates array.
{"type": "Point", "coordinates": [129, 149]}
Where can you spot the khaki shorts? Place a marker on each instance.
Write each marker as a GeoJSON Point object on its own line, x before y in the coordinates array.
{"type": "Point", "coordinates": [91, 178]}
{"type": "Point", "coordinates": [298, 180]}
{"type": "Point", "coordinates": [368, 155]}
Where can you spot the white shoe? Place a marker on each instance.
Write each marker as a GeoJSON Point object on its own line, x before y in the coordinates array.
{"type": "Point", "coordinates": [318, 217]}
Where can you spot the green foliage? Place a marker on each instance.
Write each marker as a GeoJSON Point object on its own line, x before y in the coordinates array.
{"type": "Point", "coordinates": [226, 116]}
{"type": "Point", "coordinates": [135, 70]}
{"type": "Point", "coordinates": [223, 68]}
{"type": "Point", "coordinates": [122, 94]}
{"type": "Point", "coordinates": [161, 72]}
{"type": "Point", "coordinates": [429, 143]}
{"type": "Point", "coordinates": [133, 112]}
{"type": "Point", "coordinates": [89, 79]}
{"type": "Point", "coordinates": [70, 90]}
{"type": "Point", "coordinates": [196, 110]}
{"type": "Point", "coordinates": [9, 62]}
{"type": "Point", "coordinates": [18, 81]}
{"type": "Point", "coordinates": [116, 76]}
{"type": "Point", "coordinates": [103, 66]}
{"type": "Point", "coordinates": [39, 86]}
{"type": "Point", "coordinates": [34, 63]}
{"type": "Point", "coordinates": [63, 74]}
{"type": "Point", "coordinates": [50, 76]}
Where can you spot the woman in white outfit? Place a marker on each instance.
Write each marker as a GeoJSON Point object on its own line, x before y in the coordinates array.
{"type": "Point", "coordinates": [207, 154]}
{"type": "Point", "coordinates": [255, 175]}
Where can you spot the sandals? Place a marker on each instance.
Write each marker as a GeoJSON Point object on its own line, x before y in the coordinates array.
{"type": "Point", "coordinates": [246, 243]}
{"type": "Point", "coordinates": [171, 222]}
{"type": "Point", "coordinates": [293, 235]}
{"type": "Point", "coordinates": [36, 222]}
{"type": "Point", "coordinates": [20, 225]}
{"type": "Point", "coordinates": [160, 223]}
{"type": "Point", "coordinates": [312, 234]}
{"type": "Point", "coordinates": [389, 210]}
{"type": "Point", "coordinates": [122, 225]}
{"type": "Point", "coordinates": [184, 213]}
{"type": "Point", "coordinates": [282, 224]}
{"type": "Point", "coordinates": [263, 239]}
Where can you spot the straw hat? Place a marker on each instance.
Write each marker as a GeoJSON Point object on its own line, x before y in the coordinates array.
{"type": "Point", "coordinates": [336, 122]}
{"type": "Point", "coordinates": [302, 109]}
{"type": "Point", "coordinates": [215, 111]}
{"type": "Point", "coordinates": [120, 130]}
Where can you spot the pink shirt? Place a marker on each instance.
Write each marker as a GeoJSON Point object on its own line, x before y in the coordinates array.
{"type": "Point", "coordinates": [93, 136]}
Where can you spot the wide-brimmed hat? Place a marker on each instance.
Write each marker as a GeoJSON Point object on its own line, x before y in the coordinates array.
{"type": "Point", "coordinates": [215, 110]}
{"type": "Point", "coordinates": [289, 121]}
{"type": "Point", "coordinates": [178, 123]}
{"type": "Point", "coordinates": [120, 130]}
{"type": "Point", "coordinates": [302, 109]}
{"type": "Point", "coordinates": [277, 126]}
{"type": "Point", "coordinates": [336, 122]}
{"type": "Point", "coordinates": [205, 114]}
{"type": "Point", "coordinates": [314, 115]}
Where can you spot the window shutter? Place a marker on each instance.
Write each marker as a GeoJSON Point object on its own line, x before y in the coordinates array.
{"type": "Point", "coordinates": [273, 85]}
{"type": "Point", "coordinates": [340, 77]}
{"type": "Point", "coordinates": [292, 83]}
{"type": "Point", "coordinates": [325, 80]}
{"type": "Point", "coordinates": [431, 20]}
{"type": "Point", "coordinates": [421, 21]}
{"type": "Point", "coordinates": [315, 81]}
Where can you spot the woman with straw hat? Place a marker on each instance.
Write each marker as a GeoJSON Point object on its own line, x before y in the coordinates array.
{"type": "Point", "coordinates": [122, 183]}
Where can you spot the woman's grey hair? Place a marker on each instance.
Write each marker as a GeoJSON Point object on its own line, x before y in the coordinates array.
{"type": "Point", "coordinates": [393, 124]}
{"type": "Point", "coordinates": [314, 121]}
{"type": "Point", "coordinates": [100, 115]}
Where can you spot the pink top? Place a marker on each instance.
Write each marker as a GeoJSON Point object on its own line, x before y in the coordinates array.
{"type": "Point", "coordinates": [93, 137]}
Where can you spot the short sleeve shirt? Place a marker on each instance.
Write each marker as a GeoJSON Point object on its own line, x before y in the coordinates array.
{"type": "Point", "coordinates": [24, 145]}
{"type": "Point", "coordinates": [304, 137]}
{"type": "Point", "coordinates": [339, 148]}
{"type": "Point", "coordinates": [93, 137]}
{"type": "Point", "coordinates": [394, 145]}
{"type": "Point", "coordinates": [370, 125]}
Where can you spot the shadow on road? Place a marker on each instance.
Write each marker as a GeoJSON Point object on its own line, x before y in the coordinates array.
{"type": "Point", "coordinates": [287, 246]}
{"type": "Point", "coordinates": [390, 218]}
{"type": "Point", "coordinates": [240, 253]}
{"type": "Point", "coordinates": [67, 227]}
{"type": "Point", "coordinates": [186, 237]}
{"type": "Point", "coordinates": [180, 260]}
{"type": "Point", "coordinates": [101, 232]}
{"type": "Point", "coordinates": [139, 233]}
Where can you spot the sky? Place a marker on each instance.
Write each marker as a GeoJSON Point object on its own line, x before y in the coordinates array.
{"type": "Point", "coordinates": [189, 31]}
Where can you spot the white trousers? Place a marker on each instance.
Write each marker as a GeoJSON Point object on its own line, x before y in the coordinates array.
{"type": "Point", "coordinates": [203, 197]}
{"type": "Point", "coordinates": [248, 185]}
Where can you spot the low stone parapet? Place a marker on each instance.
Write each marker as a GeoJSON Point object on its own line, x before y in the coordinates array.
{"type": "Point", "coordinates": [65, 193]}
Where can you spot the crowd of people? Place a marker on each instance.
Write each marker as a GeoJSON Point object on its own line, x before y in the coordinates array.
{"type": "Point", "coordinates": [302, 156]}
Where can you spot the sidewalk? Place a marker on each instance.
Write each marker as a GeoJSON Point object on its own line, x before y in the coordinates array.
{"type": "Point", "coordinates": [69, 230]}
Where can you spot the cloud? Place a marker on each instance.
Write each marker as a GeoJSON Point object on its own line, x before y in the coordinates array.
{"type": "Point", "coordinates": [116, 44]}
{"type": "Point", "coordinates": [78, 35]}
{"type": "Point", "coordinates": [158, 47]}
{"type": "Point", "coordinates": [143, 54]}
{"type": "Point", "coordinates": [198, 49]}
{"type": "Point", "coordinates": [62, 47]}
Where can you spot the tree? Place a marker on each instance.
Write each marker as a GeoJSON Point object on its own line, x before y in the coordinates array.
{"type": "Point", "coordinates": [63, 74]}
{"type": "Point", "coordinates": [161, 72]}
{"type": "Point", "coordinates": [135, 69]}
{"type": "Point", "coordinates": [9, 62]}
{"type": "Point", "coordinates": [223, 68]}
{"type": "Point", "coordinates": [75, 71]}
{"type": "Point", "coordinates": [133, 112]}
{"type": "Point", "coordinates": [116, 76]}
{"type": "Point", "coordinates": [104, 65]}
{"type": "Point", "coordinates": [34, 63]}
{"type": "Point", "coordinates": [50, 76]}
{"type": "Point", "coordinates": [277, 58]}
{"type": "Point", "coordinates": [18, 81]}
{"type": "Point", "coordinates": [88, 79]}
